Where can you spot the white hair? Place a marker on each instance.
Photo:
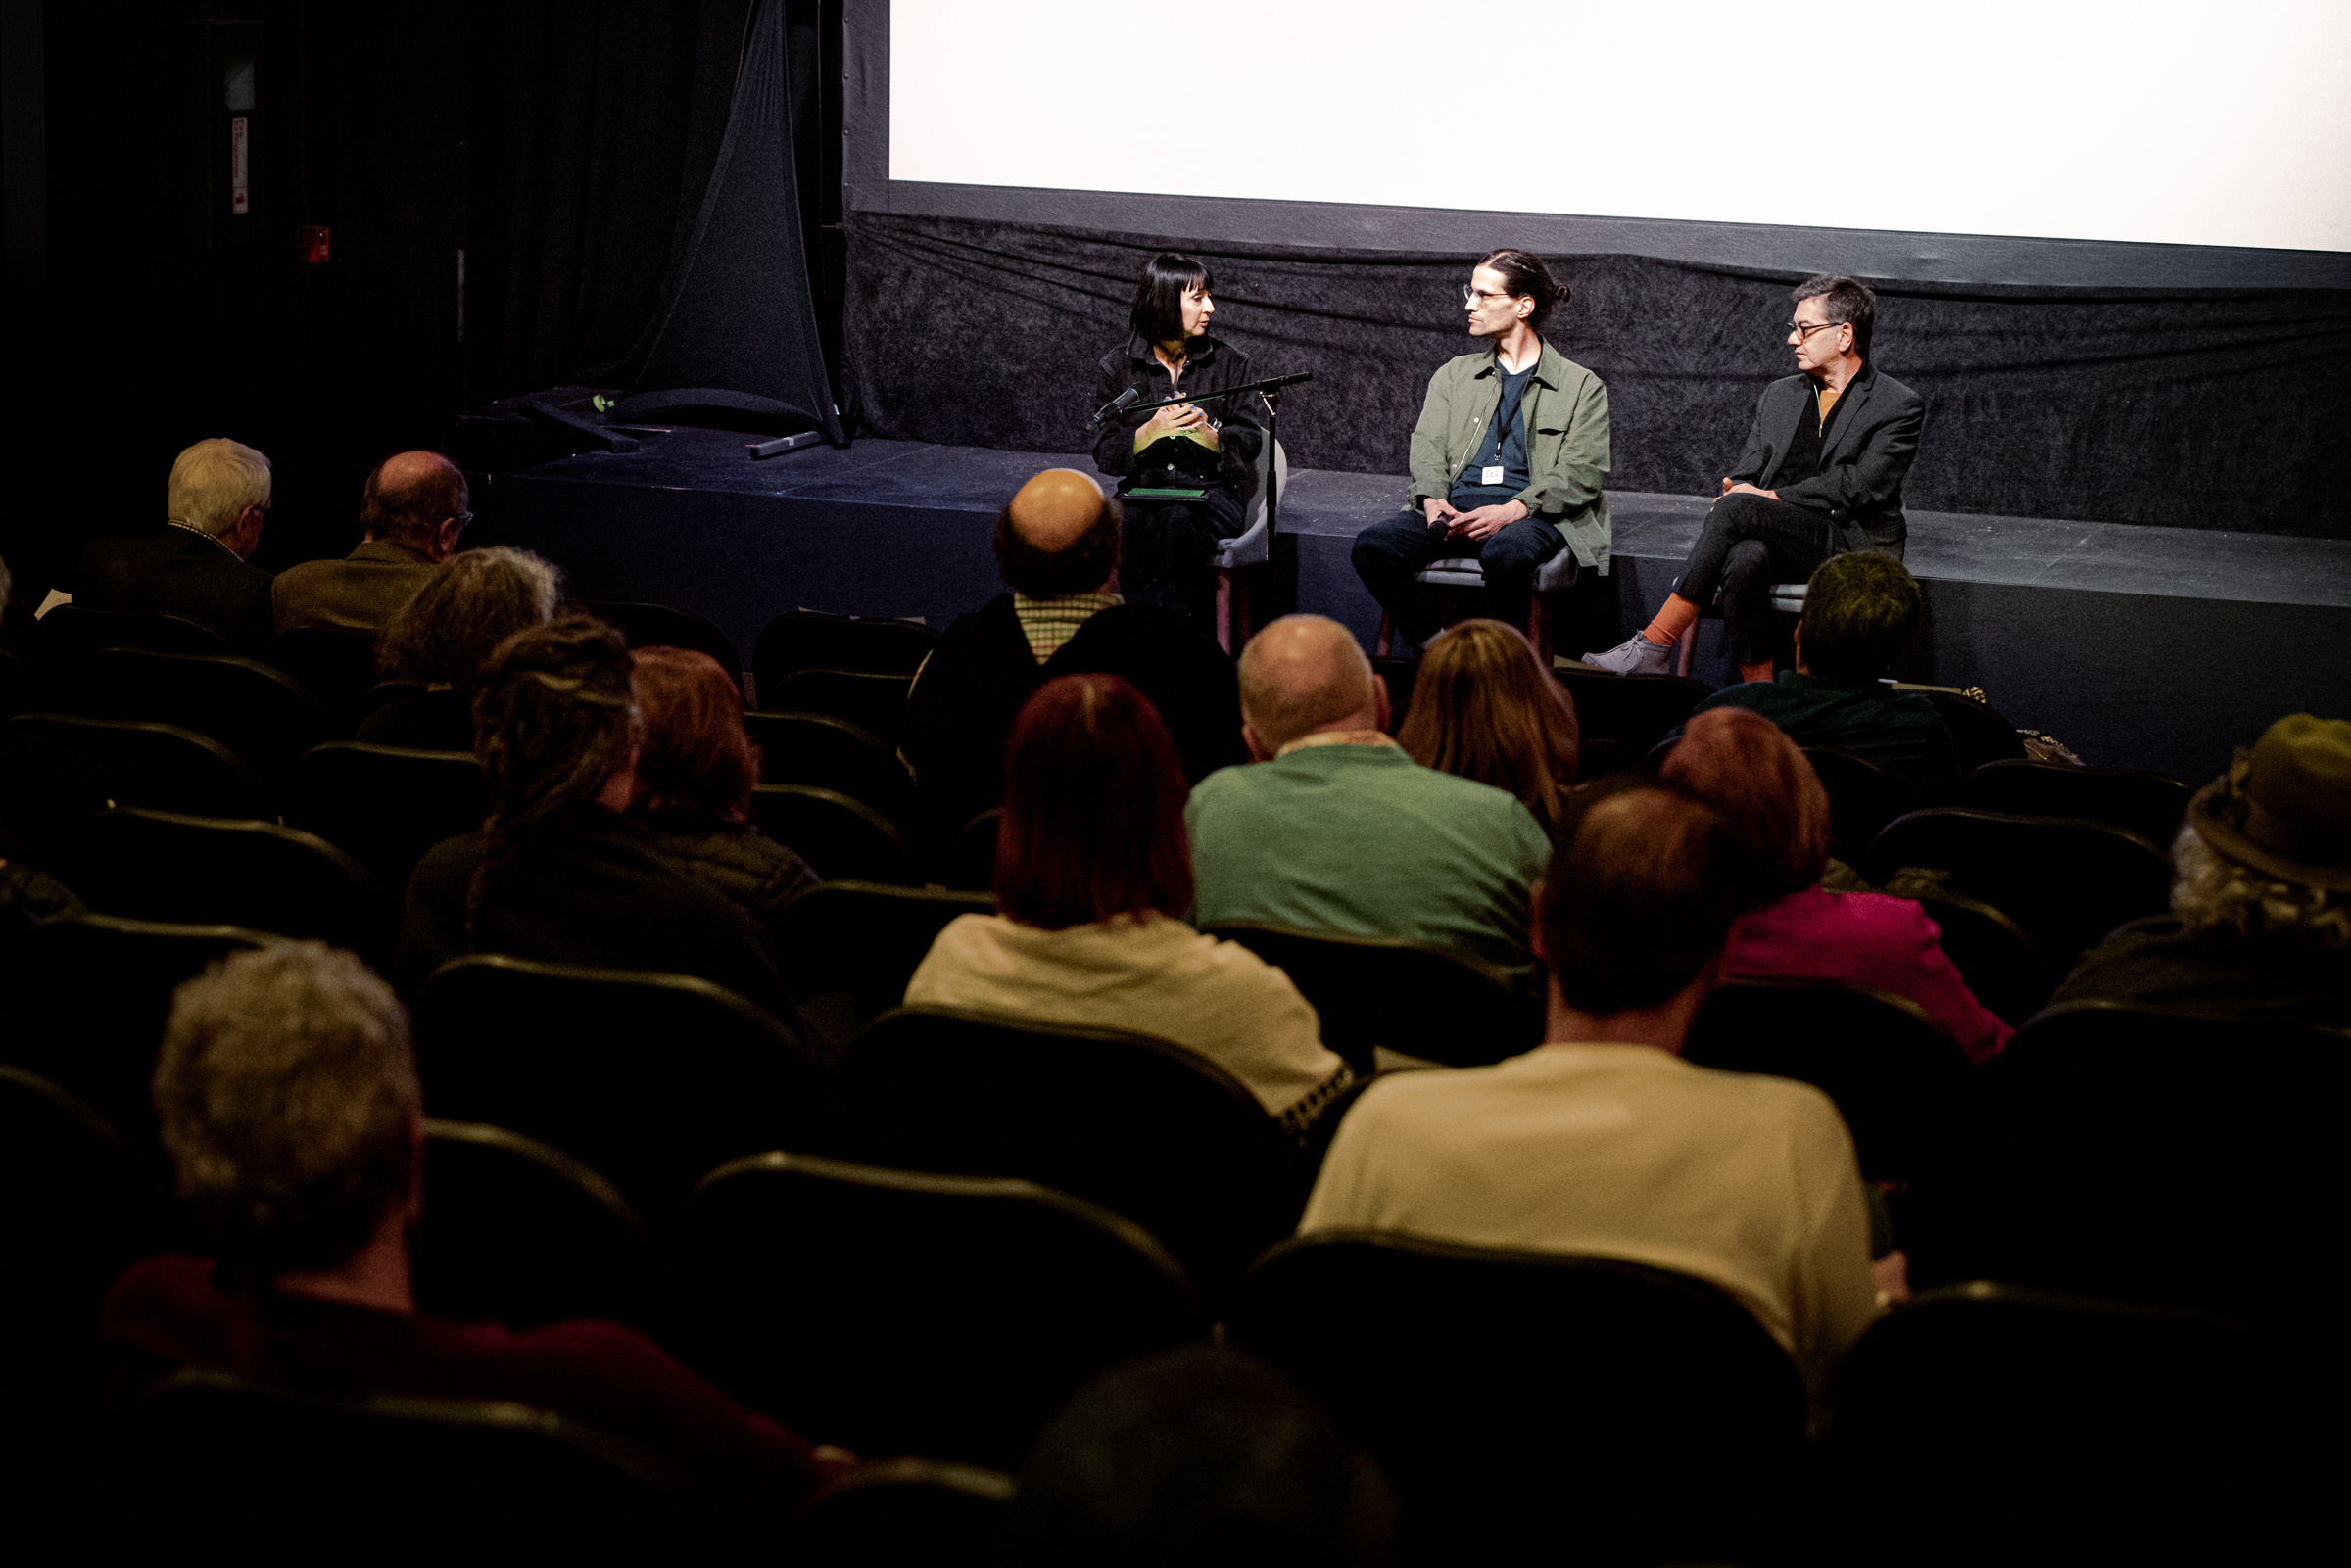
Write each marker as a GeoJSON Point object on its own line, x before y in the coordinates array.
{"type": "Point", "coordinates": [2213, 888]}
{"type": "Point", "coordinates": [214, 481]}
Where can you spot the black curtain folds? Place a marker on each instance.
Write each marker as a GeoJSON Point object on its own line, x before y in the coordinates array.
{"type": "Point", "coordinates": [2191, 408]}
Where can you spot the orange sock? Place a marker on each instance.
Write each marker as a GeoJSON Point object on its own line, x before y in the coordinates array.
{"type": "Point", "coordinates": [1677, 617]}
{"type": "Point", "coordinates": [1760, 671]}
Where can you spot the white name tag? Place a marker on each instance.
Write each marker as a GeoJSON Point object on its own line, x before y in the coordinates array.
{"type": "Point", "coordinates": [1491, 475]}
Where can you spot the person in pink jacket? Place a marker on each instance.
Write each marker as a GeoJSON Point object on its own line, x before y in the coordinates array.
{"type": "Point", "coordinates": [1741, 763]}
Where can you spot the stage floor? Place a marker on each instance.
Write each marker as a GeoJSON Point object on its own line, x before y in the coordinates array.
{"type": "Point", "coordinates": [2142, 647]}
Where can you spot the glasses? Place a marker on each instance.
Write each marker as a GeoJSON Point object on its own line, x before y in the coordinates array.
{"type": "Point", "coordinates": [1803, 330]}
{"type": "Point", "coordinates": [1473, 295]}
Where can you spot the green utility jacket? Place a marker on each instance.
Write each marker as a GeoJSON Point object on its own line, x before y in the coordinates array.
{"type": "Point", "coordinates": [1567, 413]}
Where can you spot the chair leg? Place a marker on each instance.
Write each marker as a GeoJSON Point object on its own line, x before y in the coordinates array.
{"type": "Point", "coordinates": [1224, 611]}
{"type": "Point", "coordinates": [1538, 627]}
{"type": "Point", "coordinates": [1684, 649]}
{"type": "Point", "coordinates": [1244, 612]}
{"type": "Point", "coordinates": [1387, 636]}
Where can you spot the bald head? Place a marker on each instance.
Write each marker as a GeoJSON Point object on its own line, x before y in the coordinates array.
{"type": "Point", "coordinates": [418, 500]}
{"type": "Point", "coordinates": [1302, 673]}
{"type": "Point", "coordinates": [1059, 534]}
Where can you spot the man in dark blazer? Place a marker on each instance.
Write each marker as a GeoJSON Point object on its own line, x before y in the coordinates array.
{"type": "Point", "coordinates": [194, 565]}
{"type": "Point", "coordinates": [1822, 474]}
{"type": "Point", "coordinates": [412, 510]}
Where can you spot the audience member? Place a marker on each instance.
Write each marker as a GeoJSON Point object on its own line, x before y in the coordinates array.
{"type": "Point", "coordinates": [1335, 829]}
{"type": "Point", "coordinates": [444, 634]}
{"type": "Point", "coordinates": [1484, 708]}
{"type": "Point", "coordinates": [1739, 763]}
{"type": "Point", "coordinates": [288, 1102]}
{"type": "Point", "coordinates": [194, 565]}
{"type": "Point", "coordinates": [695, 773]}
{"type": "Point", "coordinates": [557, 873]}
{"type": "Point", "coordinates": [1093, 880]}
{"type": "Point", "coordinates": [1603, 1140]}
{"type": "Point", "coordinates": [1057, 544]}
{"type": "Point", "coordinates": [1860, 610]}
{"type": "Point", "coordinates": [412, 510]}
{"type": "Point", "coordinates": [2260, 926]}
{"type": "Point", "coordinates": [1198, 1457]}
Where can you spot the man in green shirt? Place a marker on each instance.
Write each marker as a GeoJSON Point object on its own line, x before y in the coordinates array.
{"type": "Point", "coordinates": [1507, 458]}
{"type": "Point", "coordinates": [1335, 829]}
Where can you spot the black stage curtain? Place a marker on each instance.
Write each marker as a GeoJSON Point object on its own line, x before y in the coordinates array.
{"type": "Point", "coordinates": [2192, 408]}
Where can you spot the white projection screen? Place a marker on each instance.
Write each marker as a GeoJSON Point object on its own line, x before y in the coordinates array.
{"type": "Point", "coordinates": [2153, 120]}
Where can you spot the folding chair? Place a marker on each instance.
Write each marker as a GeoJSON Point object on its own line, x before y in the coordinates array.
{"type": "Point", "coordinates": [1144, 1128]}
{"type": "Point", "coordinates": [1458, 576]}
{"type": "Point", "coordinates": [1516, 1396]}
{"type": "Point", "coordinates": [1417, 1001]}
{"type": "Point", "coordinates": [957, 1313]}
{"type": "Point", "coordinates": [1252, 548]}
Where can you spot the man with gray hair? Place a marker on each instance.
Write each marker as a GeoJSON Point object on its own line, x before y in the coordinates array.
{"type": "Point", "coordinates": [287, 1097]}
{"type": "Point", "coordinates": [1335, 829]}
{"type": "Point", "coordinates": [412, 510]}
{"type": "Point", "coordinates": [196, 564]}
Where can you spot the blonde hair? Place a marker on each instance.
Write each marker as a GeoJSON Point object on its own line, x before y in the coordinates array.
{"type": "Point", "coordinates": [2211, 888]}
{"type": "Point", "coordinates": [213, 482]}
{"type": "Point", "coordinates": [1484, 709]}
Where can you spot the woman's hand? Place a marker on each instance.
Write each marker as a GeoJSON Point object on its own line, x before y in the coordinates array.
{"type": "Point", "coordinates": [1183, 419]}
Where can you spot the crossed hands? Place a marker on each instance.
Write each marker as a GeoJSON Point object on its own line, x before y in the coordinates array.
{"type": "Point", "coordinates": [1482, 522]}
{"type": "Point", "coordinates": [1743, 488]}
{"type": "Point", "coordinates": [1185, 420]}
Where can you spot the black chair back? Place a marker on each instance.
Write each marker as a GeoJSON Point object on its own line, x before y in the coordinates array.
{"type": "Point", "coordinates": [650, 1079]}
{"type": "Point", "coordinates": [873, 702]}
{"type": "Point", "coordinates": [2125, 1433]}
{"type": "Point", "coordinates": [205, 871]}
{"type": "Point", "coordinates": [2066, 882]}
{"type": "Point", "coordinates": [88, 997]}
{"type": "Point", "coordinates": [1990, 951]}
{"type": "Point", "coordinates": [648, 626]}
{"type": "Point", "coordinates": [971, 858]}
{"type": "Point", "coordinates": [1635, 711]}
{"type": "Point", "coordinates": [519, 1233]}
{"type": "Point", "coordinates": [956, 1314]}
{"type": "Point", "coordinates": [334, 664]}
{"type": "Point", "coordinates": [1980, 732]}
{"type": "Point", "coordinates": [1514, 1395]}
{"type": "Point", "coordinates": [155, 764]}
{"type": "Point", "coordinates": [1142, 1127]}
{"type": "Point", "coordinates": [1400, 676]}
{"type": "Point", "coordinates": [2148, 804]}
{"type": "Point", "coordinates": [24, 687]}
{"type": "Point", "coordinates": [816, 748]}
{"type": "Point", "coordinates": [807, 640]}
{"type": "Point", "coordinates": [1438, 1007]}
{"type": "Point", "coordinates": [845, 950]}
{"type": "Point", "coordinates": [262, 1475]}
{"type": "Point", "coordinates": [1864, 799]}
{"type": "Point", "coordinates": [840, 837]}
{"type": "Point", "coordinates": [385, 805]}
{"type": "Point", "coordinates": [1897, 1079]}
{"type": "Point", "coordinates": [255, 709]}
{"type": "Point", "coordinates": [906, 1514]}
{"type": "Point", "coordinates": [70, 634]}
{"type": "Point", "coordinates": [2151, 1157]}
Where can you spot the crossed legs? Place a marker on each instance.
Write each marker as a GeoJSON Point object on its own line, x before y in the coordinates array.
{"type": "Point", "coordinates": [1747, 544]}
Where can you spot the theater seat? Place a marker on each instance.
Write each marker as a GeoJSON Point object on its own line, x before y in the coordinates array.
{"type": "Point", "coordinates": [648, 626]}
{"type": "Point", "coordinates": [155, 764]}
{"type": "Point", "coordinates": [873, 700]}
{"type": "Point", "coordinates": [255, 710]}
{"type": "Point", "coordinates": [2148, 804]}
{"type": "Point", "coordinates": [970, 860]}
{"type": "Point", "coordinates": [1864, 799]}
{"type": "Point", "coordinates": [1635, 711]}
{"type": "Point", "coordinates": [650, 1080]}
{"type": "Point", "coordinates": [1421, 1003]}
{"type": "Point", "coordinates": [2066, 880]}
{"type": "Point", "coordinates": [846, 949]}
{"type": "Point", "coordinates": [168, 866]}
{"type": "Point", "coordinates": [1142, 1127]}
{"type": "Point", "coordinates": [955, 1314]}
{"type": "Point", "coordinates": [1897, 1079]}
{"type": "Point", "coordinates": [386, 805]}
{"type": "Point", "coordinates": [839, 836]}
{"type": "Point", "coordinates": [333, 663]}
{"type": "Point", "coordinates": [1980, 732]}
{"type": "Point", "coordinates": [933, 1512]}
{"type": "Point", "coordinates": [70, 634]}
{"type": "Point", "coordinates": [1625, 1413]}
{"type": "Point", "coordinates": [809, 639]}
{"type": "Point", "coordinates": [520, 1233]}
{"type": "Point", "coordinates": [1990, 952]}
{"type": "Point", "coordinates": [830, 754]}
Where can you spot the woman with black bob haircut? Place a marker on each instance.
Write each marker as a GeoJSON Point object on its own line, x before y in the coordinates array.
{"type": "Point", "coordinates": [1185, 473]}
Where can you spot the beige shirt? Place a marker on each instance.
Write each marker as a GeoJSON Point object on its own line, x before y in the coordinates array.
{"type": "Point", "coordinates": [1626, 1152]}
{"type": "Point", "coordinates": [1149, 976]}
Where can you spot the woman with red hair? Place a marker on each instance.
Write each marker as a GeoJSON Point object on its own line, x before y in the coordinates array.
{"type": "Point", "coordinates": [695, 773]}
{"type": "Point", "coordinates": [1094, 877]}
{"type": "Point", "coordinates": [1743, 765]}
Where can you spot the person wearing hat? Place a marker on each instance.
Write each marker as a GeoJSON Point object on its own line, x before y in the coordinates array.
{"type": "Point", "coordinates": [2260, 926]}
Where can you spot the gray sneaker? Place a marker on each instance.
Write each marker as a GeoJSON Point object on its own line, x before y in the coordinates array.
{"type": "Point", "coordinates": [1635, 655]}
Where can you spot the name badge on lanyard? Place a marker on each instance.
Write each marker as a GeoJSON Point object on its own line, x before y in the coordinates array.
{"type": "Point", "coordinates": [1490, 474]}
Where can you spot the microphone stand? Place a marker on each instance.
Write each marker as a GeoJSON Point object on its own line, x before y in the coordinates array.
{"type": "Point", "coordinates": [1271, 389]}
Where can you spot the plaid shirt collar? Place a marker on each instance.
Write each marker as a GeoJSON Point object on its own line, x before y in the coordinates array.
{"type": "Point", "coordinates": [1048, 623]}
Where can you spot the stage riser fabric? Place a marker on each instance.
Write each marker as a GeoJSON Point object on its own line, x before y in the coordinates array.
{"type": "Point", "coordinates": [2191, 408]}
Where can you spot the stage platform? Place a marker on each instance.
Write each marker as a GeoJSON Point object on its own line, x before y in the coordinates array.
{"type": "Point", "coordinates": [2140, 647]}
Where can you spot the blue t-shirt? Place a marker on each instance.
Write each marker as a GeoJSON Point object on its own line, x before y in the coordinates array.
{"type": "Point", "coordinates": [1505, 443]}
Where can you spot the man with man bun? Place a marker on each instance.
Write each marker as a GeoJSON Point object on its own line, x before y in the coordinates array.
{"type": "Point", "coordinates": [1507, 458]}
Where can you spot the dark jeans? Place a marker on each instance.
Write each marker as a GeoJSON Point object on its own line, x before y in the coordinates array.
{"type": "Point", "coordinates": [1749, 543]}
{"type": "Point", "coordinates": [1388, 553]}
{"type": "Point", "coordinates": [1166, 552]}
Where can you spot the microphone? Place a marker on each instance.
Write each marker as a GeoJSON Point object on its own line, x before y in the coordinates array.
{"type": "Point", "coordinates": [1116, 406]}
